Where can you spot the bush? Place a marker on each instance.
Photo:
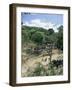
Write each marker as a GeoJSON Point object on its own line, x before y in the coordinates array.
{"type": "Point", "coordinates": [29, 51]}
{"type": "Point", "coordinates": [51, 70]}
{"type": "Point", "coordinates": [60, 38]}
{"type": "Point", "coordinates": [37, 37]}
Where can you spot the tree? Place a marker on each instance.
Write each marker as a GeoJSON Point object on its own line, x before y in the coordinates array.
{"type": "Point", "coordinates": [50, 31]}
{"type": "Point", "coordinates": [60, 38]}
{"type": "Point", "coordinates": [37, 37]}
{"type": "Point", "coordinates": [25, 36]}
{"type": "Point", "coordinates": [31, 32]}
{"type": "Point", "coordinates": [60, 28]}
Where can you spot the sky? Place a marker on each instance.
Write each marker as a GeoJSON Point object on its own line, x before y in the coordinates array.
{"type": "Point", "coordinates": [45, 21]}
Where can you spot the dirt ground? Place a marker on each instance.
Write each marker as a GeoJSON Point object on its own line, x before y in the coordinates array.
{"type": "Point", "coordinates": [30, 62]}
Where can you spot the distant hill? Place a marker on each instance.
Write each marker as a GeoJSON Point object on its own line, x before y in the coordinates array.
{"type": "Point", "coordinates": [36, 28]}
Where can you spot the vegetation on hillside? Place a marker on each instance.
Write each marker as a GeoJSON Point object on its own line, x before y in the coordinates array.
{"type": "Point", "coordinates": [39, 42]}
{"type": "Point", "coordinates": [42, 36]}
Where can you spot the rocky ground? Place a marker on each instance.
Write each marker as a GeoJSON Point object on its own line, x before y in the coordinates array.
{"type": "Point", "coordinates": [31, 63]}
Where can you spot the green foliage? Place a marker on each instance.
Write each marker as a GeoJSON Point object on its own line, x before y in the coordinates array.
{"type": "Point", "coordinates": [37, 37]}
{"type": "Point", "coordinates": [33, 38]}
{"type": "Point", "coordinates": [50, 31]}
{"type": "Point", "coordinates": [60, 28]}
{"type": "Point", "coordinates": [39, 70]}
{"type": "Point", "coordinates": [42, 36]}
{"type": "Point", "coordinates": [60, 38]}
{"type": "Point", "coordinates": [31, 32]}
{"type": "Point", "coordinates": [25, 36]}
{"type": "Point", "coordinates": [29, 51]}
{"type": "Point", "coordinates": [51, 70]}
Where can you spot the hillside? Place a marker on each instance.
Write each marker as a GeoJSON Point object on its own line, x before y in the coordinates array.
{"type": "Point", "coordinates": [42, 51]}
